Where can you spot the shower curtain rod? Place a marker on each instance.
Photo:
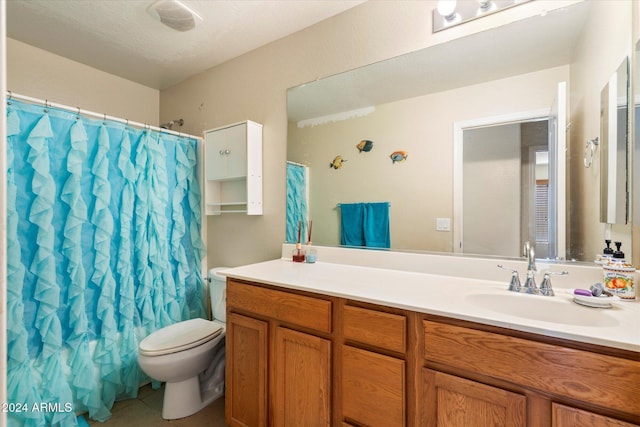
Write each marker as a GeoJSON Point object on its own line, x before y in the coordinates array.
{"type": "Point", "coordinates": [12, 95]}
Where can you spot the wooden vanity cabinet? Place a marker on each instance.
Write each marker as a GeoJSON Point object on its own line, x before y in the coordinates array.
{"type": "Point", "coordinates": [296, 358]}
{"type": "Point", "coordinates": [528, 382]}
{"type": "Point", "coordinates": [566, 416]}
{"type": "Point", "coordinates": [302, 377]}
{"type": "Point", "coordinates": [453, 401]}
{"type": "Point", "coordinates": [373, 367]}
{"type": "Point", "coordinates": [278, 357]}
{"type": "Point", "coordinates": [246, 371]}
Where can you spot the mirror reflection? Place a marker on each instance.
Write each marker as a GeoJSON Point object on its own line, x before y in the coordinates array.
{"type": "Point", "coordinates": [614, 124]}
{"type": "Point", "coordinates": [636, 135]}
{"type": "Point", "coordinates": [415, 104]}
{"type": "Point", "coordinates": [513, 161]}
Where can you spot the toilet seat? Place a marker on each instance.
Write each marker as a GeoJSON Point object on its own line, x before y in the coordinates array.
{"type": "Point", "coordinates": [180, 336]}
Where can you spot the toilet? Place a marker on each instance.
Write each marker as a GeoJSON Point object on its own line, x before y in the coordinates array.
{"type": "Point", "coordinates": [189, 356]}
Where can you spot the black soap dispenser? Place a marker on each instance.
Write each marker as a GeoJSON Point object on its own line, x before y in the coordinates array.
{"type": "Point", "coordinates": [618, 255]}
{"type": "Point", "coordinates": [607, 253]}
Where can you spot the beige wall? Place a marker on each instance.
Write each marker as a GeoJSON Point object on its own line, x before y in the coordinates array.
{"type": "Point", "coordinates": [254, 86]}
{"type": "Point", "coordinates": [597, 58]}
{"type": "Point", "coordinates": [40, 74]}
{"type": "Point", "coordinates": [420, 189]}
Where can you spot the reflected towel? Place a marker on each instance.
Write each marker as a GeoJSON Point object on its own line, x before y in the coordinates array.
{"type": "Point", "coordinates": [352, 224]}
{"type": "Point", "coordinates": [365, 224]}
{"type": "Point", "coordinates": [376, 225]}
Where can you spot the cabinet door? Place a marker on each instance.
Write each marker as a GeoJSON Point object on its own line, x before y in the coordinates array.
{"type": "Point", "coordinates": [373, 388]}
{"type": "Point", "coordinates": [565, 416]}
{"type": "Point", "coordinates": [226, 152]}
{"type": "Point", "coordinates": [302, 379]}
{"type": "Point", "coordinates": [450, 401]}
{"type": "Point", "coordinates": [246, 376]}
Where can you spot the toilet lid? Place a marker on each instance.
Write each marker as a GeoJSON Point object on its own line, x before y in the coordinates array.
{"type": "Point", "coordinates": [180, 336]}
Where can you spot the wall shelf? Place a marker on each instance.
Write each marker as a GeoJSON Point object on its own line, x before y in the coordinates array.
{"type": "Point", "coordinates": [233, 169]}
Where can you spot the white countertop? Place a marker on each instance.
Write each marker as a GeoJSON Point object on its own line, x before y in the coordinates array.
{"type": "Point", "coordinates": [476, 300]}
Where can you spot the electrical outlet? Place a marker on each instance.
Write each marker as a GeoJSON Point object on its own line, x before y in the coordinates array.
{"type": "Point", "coordinates": [443, 224]}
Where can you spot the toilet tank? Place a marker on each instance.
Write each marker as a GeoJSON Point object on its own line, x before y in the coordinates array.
{"type": "Point", "coordinates": [218, 294]}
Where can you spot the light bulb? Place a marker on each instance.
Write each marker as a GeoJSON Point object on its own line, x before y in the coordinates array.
{"type": "Point", "coordinates": [486, 6]}
{"type": "Point", "coordinates": [447, 9]}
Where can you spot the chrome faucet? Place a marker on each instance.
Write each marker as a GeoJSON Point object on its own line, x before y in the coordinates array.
{"type": "Point", "coordinates": [529, 252]}
{"type": "Point", "coordinates": [530, 286]}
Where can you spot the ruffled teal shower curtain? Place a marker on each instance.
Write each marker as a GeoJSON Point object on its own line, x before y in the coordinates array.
{"type": "Point", "coordinates": [297, 209]}
{"type": "Point", "coordinates": [103, 247]}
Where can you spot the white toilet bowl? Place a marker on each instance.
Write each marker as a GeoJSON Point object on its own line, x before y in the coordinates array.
{"type": "Point", "coordinates": [183, 355]}
{"type": "Point", "coordinates": [179, 365]}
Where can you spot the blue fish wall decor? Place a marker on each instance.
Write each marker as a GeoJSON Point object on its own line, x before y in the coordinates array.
{"type": "Point", "coordinates": [365, 145]}
{"type": "Point", "coordinates": [398, 156]}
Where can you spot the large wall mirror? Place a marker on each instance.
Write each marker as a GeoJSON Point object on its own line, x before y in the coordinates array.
{"type": "Point", "coordinates": [615, 143]}
{"type": "Point", "coordinates": [386, 133]}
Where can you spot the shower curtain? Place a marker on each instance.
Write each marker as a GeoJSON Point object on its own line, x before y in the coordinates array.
{"type": "Point", "coordinates": [103, 247]}
{"type": "Point", "coordinates": [296, 201]}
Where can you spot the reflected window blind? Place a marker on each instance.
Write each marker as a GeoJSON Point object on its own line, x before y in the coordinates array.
{"type": "Point", "coordinates": [542, 211]}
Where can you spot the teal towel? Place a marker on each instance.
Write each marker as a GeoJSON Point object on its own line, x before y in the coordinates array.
{"type": "Point", "coordinates": [365, 224]}
{"type": "Point", "coordinates": [352, 224]}
{"type": "Point", "coordinates": [376, 225]}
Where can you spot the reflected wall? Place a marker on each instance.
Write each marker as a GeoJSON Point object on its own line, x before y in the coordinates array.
{"type": "Point", "coordinates": [420, 188]}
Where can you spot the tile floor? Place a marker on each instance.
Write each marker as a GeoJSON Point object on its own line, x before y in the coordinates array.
{"type": "Point", "coordinates": [146, 411]}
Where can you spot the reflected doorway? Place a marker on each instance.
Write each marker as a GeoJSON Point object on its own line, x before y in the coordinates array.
{"type": "Point", "coordinates": [517, 161]}
{"type": "Point", "coordinates": [505, 181]}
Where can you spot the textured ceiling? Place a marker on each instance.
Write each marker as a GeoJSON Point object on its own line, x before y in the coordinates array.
{"type": "Point", "coordinates": [119, 37]}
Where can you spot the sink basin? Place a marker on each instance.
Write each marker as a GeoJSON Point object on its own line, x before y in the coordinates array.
{"type": "Point", "coordinates": [546, 309]}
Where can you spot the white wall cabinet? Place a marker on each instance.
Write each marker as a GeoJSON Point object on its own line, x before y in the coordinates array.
{"type": "Point", "coordinates": [233, 169]}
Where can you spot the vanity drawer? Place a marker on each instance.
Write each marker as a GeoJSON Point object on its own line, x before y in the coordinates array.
{"type": "Point", "coordinates": [377, 328]}
{"type": "Point", "coordinates": [287, 307]}
{"type": "Point", "coordinates": [583, 375]}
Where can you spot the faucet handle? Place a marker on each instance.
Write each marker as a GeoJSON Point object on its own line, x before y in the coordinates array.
{"type": "Point", "coordinates": [514, 284]}
{"type": "Point", "coordinates": [545, 286]}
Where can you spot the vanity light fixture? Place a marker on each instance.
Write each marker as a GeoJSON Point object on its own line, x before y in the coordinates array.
{"type": "Point", "coordinates": [450, 13]}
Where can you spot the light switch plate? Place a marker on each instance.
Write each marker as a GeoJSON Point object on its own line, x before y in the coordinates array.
{"type": "Point", "coordinates": [443, 224]}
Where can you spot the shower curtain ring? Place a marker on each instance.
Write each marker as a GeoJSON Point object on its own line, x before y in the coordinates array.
{"type": "Point", "coordinates": [78, 114]}
{"type": "Point", "coordinates": [9, 97]}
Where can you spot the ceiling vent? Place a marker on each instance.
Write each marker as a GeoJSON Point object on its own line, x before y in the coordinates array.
{"type": "Point", "coordinates": [174, 14]}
